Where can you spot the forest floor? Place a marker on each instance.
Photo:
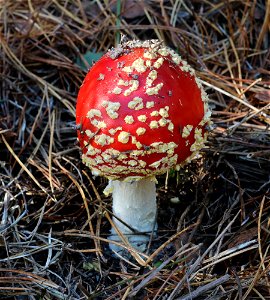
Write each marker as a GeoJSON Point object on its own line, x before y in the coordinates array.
{"type": "Point", "coordinates": [55, 219]}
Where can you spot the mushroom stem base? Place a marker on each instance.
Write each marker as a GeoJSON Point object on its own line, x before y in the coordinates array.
{"type": "Point", "coordinates": [134, 208]}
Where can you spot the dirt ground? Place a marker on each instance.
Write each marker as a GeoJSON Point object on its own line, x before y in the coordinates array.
{"type": "Point", "coordinates": [211, 244]}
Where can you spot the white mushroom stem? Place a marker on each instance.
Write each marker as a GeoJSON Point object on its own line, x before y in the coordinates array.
{"type": "Point", "coordinates": [134, 203]}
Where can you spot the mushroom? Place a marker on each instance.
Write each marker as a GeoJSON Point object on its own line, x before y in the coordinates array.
{"type": "Point", "coordinates": [140, 112]}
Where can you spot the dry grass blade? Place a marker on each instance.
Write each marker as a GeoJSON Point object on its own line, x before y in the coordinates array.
{"type": "Point", "coordinates": [202, 289]}
{"type": "Point", "coordinates": [23, 166]}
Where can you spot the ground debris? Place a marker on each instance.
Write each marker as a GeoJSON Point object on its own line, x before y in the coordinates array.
{"type": "Point", "coordinates": [212, 242]}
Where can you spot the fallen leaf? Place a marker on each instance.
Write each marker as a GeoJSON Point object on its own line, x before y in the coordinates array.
{"type": "Point", "coordinates": [263, 95]}
{"type": "Point", "coordinates": [243, 237]}
{"type": "Point", "coordinates": [88, 59]}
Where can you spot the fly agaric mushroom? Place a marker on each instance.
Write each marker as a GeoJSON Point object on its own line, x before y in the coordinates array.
{"type": "Point", "coordinates": [140, 112]}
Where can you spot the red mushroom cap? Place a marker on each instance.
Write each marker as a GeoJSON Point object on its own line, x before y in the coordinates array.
{"type": "Point", "coordinates": [140, 111]}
